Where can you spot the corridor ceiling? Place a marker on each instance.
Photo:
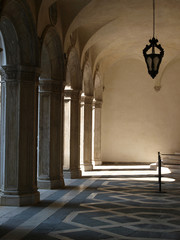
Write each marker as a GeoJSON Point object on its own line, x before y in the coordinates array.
{"type": "Point", "coordinates": [116, 29]}
{"type": "Point", "coordinates": [113, 30]}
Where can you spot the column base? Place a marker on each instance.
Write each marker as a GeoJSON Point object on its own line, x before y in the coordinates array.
{"type": "Point", "coordinates": [154, 166]}
{"type": "Point", "coordinates": [72, 174]}
{"type": "Point", "coordinates": [50, 184]}
{"type": "Point", "coordinates": [97, 162]}
{"type": "Point", "coordinates": [86, 167]}
{"type": "Point", "coordinates": [19, 200]}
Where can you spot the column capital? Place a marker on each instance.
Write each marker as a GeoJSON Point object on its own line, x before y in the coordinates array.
{"type": "Point", "coordinates": [97, 104]}
{"type": "Point", "coordinates": [75, 95]}
{"type": "Point", "coordinates": [12, 73]}
{"type": "Point", "coordinates": [28, 74]}
{"type": "Point", "coordinates": [71, 94]}
{"type": "Point", "coordinates": [67, 95]}
{"type": "Point", "coordinates": [48, 85]}
{"type": "Point", "coordinates": [9, 73]}
{"type": "Point", "coordinates": [88, 100]}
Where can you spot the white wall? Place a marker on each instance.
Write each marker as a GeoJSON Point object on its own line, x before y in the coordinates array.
{"type": "Point", "coordinates": [137, 122]}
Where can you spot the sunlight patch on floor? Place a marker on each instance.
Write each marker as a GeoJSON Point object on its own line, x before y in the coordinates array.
{"type": "Point", "coordinates": [128, 172]}
{"type": "Point", "coordinates": [130, 167]}
{"type": "Point", "coordinates": [152, 179]}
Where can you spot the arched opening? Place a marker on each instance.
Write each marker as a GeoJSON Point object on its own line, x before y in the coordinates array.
{"type": "Point", "coordinates": [50, 113]}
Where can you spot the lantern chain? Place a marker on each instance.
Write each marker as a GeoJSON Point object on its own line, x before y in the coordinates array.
{"type": "Point", "coordinates": [153, 18]}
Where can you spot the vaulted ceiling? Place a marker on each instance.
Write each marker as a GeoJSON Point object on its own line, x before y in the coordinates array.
{"type": "Point", "coordinates": [113, 30]}
{"type": "Point", "coordinates": [116, 29]}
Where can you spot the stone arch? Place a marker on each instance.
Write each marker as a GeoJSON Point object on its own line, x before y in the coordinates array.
{"type": "Point", "coordinates": [25, 50]}
{"type": "Point", "coordinates": [9, 43]}
{"type": "Point", "coordinates": [2, 51]}
{"type": "Point", "coordinates": [52, 65]}
{"type": "Point", "coordinates": [73, 72]}
{"type": "Point", "coordinates": [87, 80]}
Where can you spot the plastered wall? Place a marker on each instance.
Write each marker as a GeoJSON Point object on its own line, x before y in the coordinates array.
{"type": "Point", "coordinates": [137, 121]}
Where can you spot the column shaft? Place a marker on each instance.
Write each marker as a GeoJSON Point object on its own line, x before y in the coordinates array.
{"type": "Point", "coordinates": [67, 130]}
{"type": "Point", "coordinates": [19, 136]}
{"type": "Point", "coordinates": [88, 133]}
{"type": "Point", "coordinates": [97, 133]}
{"type": "Point", "coordinates": [49, 135]}
{"type": "Point", "coordinates": [75, 135]}
{"type": "Point", "coordinates": [73, 129]}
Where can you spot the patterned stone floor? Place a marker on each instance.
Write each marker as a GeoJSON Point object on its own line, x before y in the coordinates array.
{"type": "Point", "coordinates": [98, 208]}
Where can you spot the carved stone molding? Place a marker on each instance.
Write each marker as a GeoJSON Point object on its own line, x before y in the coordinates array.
{"type": "Point", "coordinates": [75, 95]}
{"type": "Point", "coordinates": [97, 104]}
{"type": "Point", "coordinates": [72, 94]}
{"type": "Point", "coordinates": [49, 86]}
{"type": "Point", "coordinates": [67, 94]}
{"type": "Point", "coordinates": [19, 74]}
{"type": "Point", "coordinates": [88, 100]}
{"type": "Point", "coordinates": [9, 73]}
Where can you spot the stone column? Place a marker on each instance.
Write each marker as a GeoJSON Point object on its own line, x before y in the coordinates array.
{"type": "Point", "coordinates": [75, 135]}
{"type": "Point", "coordinates": [97, 106]}
{"type": "Point", "coordinates": [82, 131]}
{"type": "Point", "coordinates": [67, 130]}
{"type": "Point", "coordinates": [19, 136]}
{"type": "Point", "coordinates": [88, 100]}
{"type": "Point", "coordinates": [74, 138]}
{"type": "Point", "coordinates": [49, 134]}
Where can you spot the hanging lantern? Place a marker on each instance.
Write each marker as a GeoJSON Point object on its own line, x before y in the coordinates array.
{"type": "Point", "coordinates": [153, 53]}
{"type": "Point", "coordinates": [153, 59]}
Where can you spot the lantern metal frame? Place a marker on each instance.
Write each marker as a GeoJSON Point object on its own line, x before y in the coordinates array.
{"type": "Point", "coordinates": [152, 69]}
{"type": "Point", "coordinates": [153, 59]}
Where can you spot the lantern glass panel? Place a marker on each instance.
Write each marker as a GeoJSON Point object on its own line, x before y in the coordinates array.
{"type": "Point", "coordinates": [156, 62]}
{"type": "Point", "coordinates": [149, 62]}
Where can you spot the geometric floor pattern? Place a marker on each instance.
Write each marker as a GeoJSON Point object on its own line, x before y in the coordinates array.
{"type": "Point", "coordinates": [98, 208]}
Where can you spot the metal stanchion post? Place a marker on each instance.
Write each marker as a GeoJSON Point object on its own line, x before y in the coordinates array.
{"type": "Point", "coordinates": [159, 164]}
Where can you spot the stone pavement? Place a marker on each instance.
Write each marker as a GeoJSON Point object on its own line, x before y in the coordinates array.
{"type": "Point", "coordinates": [98, 208]}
